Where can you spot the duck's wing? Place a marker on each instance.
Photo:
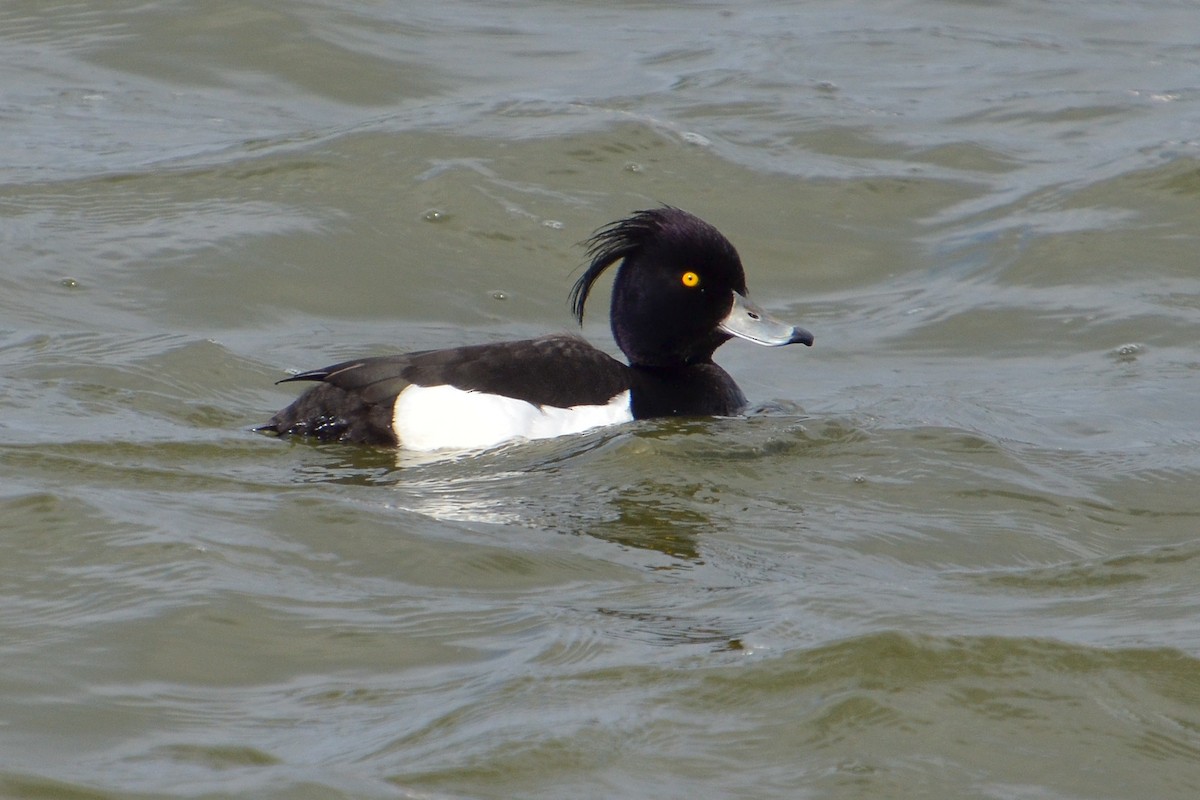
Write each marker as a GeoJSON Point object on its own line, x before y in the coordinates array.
{"type": "Point", "coordinates": [355, 399]}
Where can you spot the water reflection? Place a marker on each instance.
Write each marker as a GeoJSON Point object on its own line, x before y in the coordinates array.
{"type": "Point", "coordinates": [659, 485]}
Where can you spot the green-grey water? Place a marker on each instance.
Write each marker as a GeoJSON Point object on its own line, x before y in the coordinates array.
{"type": "Point", "coordinates": [954, 553]}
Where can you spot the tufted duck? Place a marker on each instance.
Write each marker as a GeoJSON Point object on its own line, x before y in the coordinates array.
{"type": "Point", "coordinates": [679, 294]}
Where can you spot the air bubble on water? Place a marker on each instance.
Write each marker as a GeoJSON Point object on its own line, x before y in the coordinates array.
{"type": "Point", "coordinates": [1127, 352]}
{"type": "Point", "coordinates": [553, 224]}
{"type": "Point", "coordinates": [435, 215]}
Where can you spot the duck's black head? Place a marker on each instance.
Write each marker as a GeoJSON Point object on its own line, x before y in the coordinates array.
{"type": "Point", "coordinates": [680, 291]}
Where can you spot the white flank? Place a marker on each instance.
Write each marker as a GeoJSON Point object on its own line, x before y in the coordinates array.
{"type": "Point", "coordinates": [443, 417]}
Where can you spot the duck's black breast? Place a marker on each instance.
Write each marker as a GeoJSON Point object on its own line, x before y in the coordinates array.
{"type": "Point", "coordinates": [694, 390]}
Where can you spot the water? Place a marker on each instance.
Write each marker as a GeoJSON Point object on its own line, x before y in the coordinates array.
{"type": "Point", "coordinates": [956, 556]}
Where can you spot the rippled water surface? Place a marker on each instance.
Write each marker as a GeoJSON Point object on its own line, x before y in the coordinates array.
{"type": "Point", "coordinates": [954, 554]}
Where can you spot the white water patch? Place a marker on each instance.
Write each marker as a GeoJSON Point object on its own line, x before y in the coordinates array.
{"type": "Point", "coordinates": [444, 417]}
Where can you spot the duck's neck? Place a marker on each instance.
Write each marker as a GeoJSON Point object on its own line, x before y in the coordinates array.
{"type": "Point", "coordinates": [684, 390]}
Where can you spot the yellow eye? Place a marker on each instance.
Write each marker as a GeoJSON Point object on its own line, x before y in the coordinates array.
{"type": "Point", "coordinates": [690, 279]}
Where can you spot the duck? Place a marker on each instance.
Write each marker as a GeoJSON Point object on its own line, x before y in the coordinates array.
{"type": "Point", "coordinates": [678, 294]}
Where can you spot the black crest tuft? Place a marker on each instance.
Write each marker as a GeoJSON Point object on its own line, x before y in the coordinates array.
{"type": "Point", "coordinates": [624, 238]}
